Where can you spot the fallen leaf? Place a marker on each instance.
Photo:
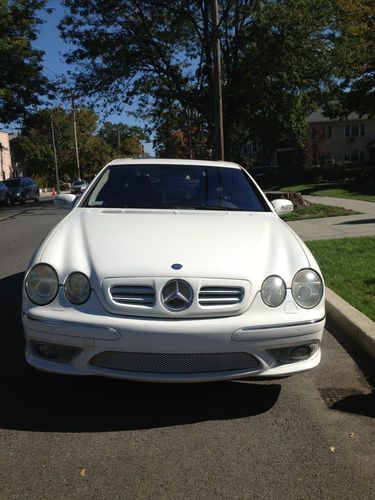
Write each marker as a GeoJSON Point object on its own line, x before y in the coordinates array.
{"type": "Point", "coordinates": [332, 449]}
{"type": "Point", "coordinates": [83, 473]}
{"type": "Point", "coordinates": [351, 434]}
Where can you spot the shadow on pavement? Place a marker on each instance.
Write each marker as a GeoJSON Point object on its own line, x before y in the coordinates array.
{"type": "Point", "coordinates": [346, 400]}
{"type": "Point", "coordinates": [360, 404]}
{"type": "Point", "coordinates": [35, 401]}
{"type": "Point", "coordinates": [350, 401]}
{"type": "Point", "coordinates": [7, 213]}
{"type": "Point", "coordinates": [357, 222]}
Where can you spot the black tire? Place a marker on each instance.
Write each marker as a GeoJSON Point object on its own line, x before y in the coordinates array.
{"type": "Point", "coordinates": [8, 201]}
{"type": "Point", "coordinates": [22, 199]}
{"type": "Point", "coordinates": [36, 199]}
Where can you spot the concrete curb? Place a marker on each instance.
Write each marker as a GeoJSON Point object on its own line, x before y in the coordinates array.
{"type": "Point", "coordinates": [355, 324]}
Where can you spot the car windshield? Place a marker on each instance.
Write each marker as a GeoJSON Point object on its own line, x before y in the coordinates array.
{"type": "Point", "coordinates": [12, 183]}
{"type": "Point", "coordinates": [175, 186]}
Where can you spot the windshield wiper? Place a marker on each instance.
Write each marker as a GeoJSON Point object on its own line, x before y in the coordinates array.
{"type": "Point", "coordinates": [196, 207]}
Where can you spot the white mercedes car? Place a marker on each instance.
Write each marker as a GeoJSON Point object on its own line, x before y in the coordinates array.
{"type": "Point", "coordinates": [173, 271]}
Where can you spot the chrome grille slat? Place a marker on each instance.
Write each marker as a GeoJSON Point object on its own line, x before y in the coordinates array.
{"type": "Point", "coordinates": [133, 295]}
{"type": "Point", "coordinates": [219, 300]}
{"type": "Point", "coordinates": [220, 296]}
{"type": "Point", "coordinates": [171, 363]}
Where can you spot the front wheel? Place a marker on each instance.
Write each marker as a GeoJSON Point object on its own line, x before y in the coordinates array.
{"type": "Point", "coordinates": [8, 201]}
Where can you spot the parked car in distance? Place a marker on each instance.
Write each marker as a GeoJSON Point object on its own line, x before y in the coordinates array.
{"type": "Point", "coordinates": [178, 271]}
{"type": "Point", "coordinates": [4, 195]}
{"type": "Point", "coordinates": [22, 189]}
{"type": "Point", "coordinates": [78, 186]}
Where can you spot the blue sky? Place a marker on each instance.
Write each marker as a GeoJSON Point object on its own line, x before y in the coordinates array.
{"type": "Point", "coordinates": [50, 42]}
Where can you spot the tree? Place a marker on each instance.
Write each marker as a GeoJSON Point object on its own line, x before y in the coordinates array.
{"type": "Point", "coordinates": [21, 79]}
{"type": "Point", "coordinates": [35, 150]}
{"type": "Point", "coordinates": [276, 57]}
{"type": "Point", "coordinates": [123, 139]}
{"type": "Point", "coordinates": [355, 55]}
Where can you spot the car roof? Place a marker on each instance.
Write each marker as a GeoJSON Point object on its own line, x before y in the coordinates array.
{"type": "Point", "coordinates": [169, 161]}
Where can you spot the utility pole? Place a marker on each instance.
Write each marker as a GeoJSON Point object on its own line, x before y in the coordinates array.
{"type": "Point", "coordinates": [55, 156]}
{"type": "Point", "coordinates": [119, 139]}
{"type": "Point", "coordinates": [218, 97]}
{"type": "Point", "coordinates": [75, 138]}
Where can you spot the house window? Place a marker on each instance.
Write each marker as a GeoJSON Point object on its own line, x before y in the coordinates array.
{"type": "Point", "coordinates": [354, 156]}
{"type": "Point", "coordinates": [361, 155]}
{"type": "Point", "coordinates": [355, 130]}
{"type": "Point", "coordinates": [347, 156]}
{"type": "Point", "coordinates": [329, 131]}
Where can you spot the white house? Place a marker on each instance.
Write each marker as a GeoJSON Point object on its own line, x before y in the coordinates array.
{"type": "Point", "coordinates": [5, 158]}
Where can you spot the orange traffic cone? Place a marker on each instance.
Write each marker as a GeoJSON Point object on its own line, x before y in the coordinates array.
{"type": "Point", "coordinates": [54, 192]}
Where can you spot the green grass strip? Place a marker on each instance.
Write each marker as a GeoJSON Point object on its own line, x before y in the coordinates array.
{"type": "Point", "coordinates": [317, 211]}
{"type": "Point", "coordinates": [355, 190]}
{"type": "Point", "coordinates": [348, 267]}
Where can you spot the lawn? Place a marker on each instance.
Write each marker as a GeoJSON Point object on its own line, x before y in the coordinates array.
{"type": "Point", "coordinates": [354, 190]}
{"type": "Point", "coordinates": [317, 211]}
{"type": "Point", "coordinates": [348, 266]}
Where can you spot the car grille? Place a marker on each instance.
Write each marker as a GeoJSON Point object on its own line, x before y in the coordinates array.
{"type": "Point", "coordinates": [133, 295]}
{"type": "Point", "coordinates": [220, 296]}
{"type": "Point", "coordinates": [169, 363]}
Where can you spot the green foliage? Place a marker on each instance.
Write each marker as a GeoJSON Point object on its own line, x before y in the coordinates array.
{"type": "Point", "coordinates": [21, 79]}
{"type": "Point", "coordinates": [280, 61]}
{"type": "Point", "coordinates": [276, 58]}
{"type": "Point", "coordinates": [35, 149]}
{"type": "Point", "coordinates": [124, 140]}
{"type": "Point", "coordinates": [355, 58]}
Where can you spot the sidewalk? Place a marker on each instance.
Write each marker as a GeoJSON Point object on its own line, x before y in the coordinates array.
{"type": "Point", "coordinates": [337, 227]}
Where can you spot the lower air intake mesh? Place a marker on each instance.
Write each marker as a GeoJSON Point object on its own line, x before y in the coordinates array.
{"type": "Point", "coordinates": [174, 363]}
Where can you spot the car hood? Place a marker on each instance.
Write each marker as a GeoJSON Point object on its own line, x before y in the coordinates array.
{"type": "Point", "coordinates": [139, 243]}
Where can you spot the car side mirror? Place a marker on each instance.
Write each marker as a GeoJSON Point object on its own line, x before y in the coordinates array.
{"type": "Point", "coordinates": [65, 201]}
{"type": "Point", "coordinates": [282, 206]}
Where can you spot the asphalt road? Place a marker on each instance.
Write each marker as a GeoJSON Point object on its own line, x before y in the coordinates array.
{"type": "Point", "coordinates": [307, 436]}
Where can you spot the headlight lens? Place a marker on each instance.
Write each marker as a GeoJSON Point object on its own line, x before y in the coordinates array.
{"type": "Point", "coordinates": [42, 284]}
{"type": "Point", "coordinates": [273, 291]}
{"type": "Point", "coordinates": [77, 288]}
{"type": "Point", "coordinates": [307, 288]}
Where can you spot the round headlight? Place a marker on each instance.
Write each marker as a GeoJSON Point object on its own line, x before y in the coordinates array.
{"type": "Point", "coordinates": [307, 288]}
{"type": "Point", "coordinates": [77, 288]}
{"type": "Point", "coordinates": [41, 284]}
{"type": "Point", "coordinates": [273, 291]}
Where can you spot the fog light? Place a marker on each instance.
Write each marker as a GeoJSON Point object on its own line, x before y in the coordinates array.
{"type": "Point", "coordinates": [54, 352]}
{"type": "Point", "coordinates": [46, 351]}
{"type": "Point", "coordinates": [301, 352]}
{"type": "Point", "coordinates": [292, 354]}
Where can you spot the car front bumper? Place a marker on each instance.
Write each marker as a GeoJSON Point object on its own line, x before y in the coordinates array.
{"type": "Point", "coordinates": [164, 350]}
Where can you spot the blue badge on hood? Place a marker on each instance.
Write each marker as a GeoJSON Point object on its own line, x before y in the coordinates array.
{"type": "Point", "coordinates": [176, 266]}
